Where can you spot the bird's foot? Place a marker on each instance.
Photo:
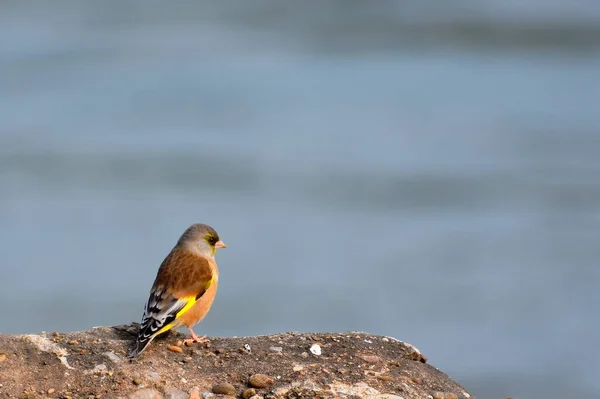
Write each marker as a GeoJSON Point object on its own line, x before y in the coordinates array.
{"type": "Point", "coordinates": [195, 339]}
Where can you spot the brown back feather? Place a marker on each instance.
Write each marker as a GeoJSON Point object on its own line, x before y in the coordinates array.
{"type": "Point", "coordinates": [185, 273]}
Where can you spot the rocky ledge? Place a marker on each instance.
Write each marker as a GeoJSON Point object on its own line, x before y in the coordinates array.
{"type": "Point", "coordinates": [92, 365]}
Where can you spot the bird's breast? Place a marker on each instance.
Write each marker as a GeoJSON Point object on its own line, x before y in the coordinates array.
{"type": "Point", "coordinates": [199, 309]}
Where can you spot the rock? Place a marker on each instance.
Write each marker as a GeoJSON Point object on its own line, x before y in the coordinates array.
{"type": "Point", "coordinates": [351, 365]}
{"type": "Point", "coordinates": [444, 395]}
{"type": "Point", "coordinates": [260, 381]}
{"type": "Point", "coordinates": [145, 393]}
{"type": "Point", "coordinates": [46, 345]}
{"type": "Point", "coordinates": [174, 393]}
{"type": "Point", "coordinates": [113, 357]}
{"type": "Point", "coordinates": [195, 393]}
{"type": "Point", "coordinates": [388, 396]}
{"type": "Point", "coordinates": [359, 389]}
{"type": "Point", "coordinates": [370, 358]}
{"type": "Point", "coordinates": [224, 388]}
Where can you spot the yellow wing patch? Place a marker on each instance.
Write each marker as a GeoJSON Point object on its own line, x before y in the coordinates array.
{"type": "Point", "coordinates": [190, 301]}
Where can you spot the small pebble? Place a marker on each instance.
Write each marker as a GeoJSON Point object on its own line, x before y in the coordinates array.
{"type": "Point", "coordinates": [55, 334]}
{"type": "Point", "coordinates": [137, 381]}
{"type": "Point", "coordinates": [444, 395]}
{"type": "Point", "coordinates": [385, 378]}
{"type": "Point", "coordinates": [112, 356]}
{"type": "Point", "coordinates": [100, 369]}
{"type": "Point", "coordinates": [2, 357]}
{"type": "Point", "coordinates": [260, 381]}
{"type": "Point", "coordinates": [297, 368]}
{"type": "Point", "coordinates": [224, 388]}
{"type": "Point", "coordinates": [385, 339]}
{"type": "Point", "coordinates": [194, 393]}
{"type": "Point", "coordinates": [146, 393]}
{"type": "Point", "coordinates": [277, 349]}
{"type": "Point", "coordinates": [304, 355]}
{"type": "Point", "coordinates": [51, 391]}
{"type": "Point", "coordinates": [248, 393]}
{"type": "Point", "coordinates": [370, 358]}
{"type": "Point", "coordinates": [256, 397]}
{"type": "Point", "coordinates": [418, 380]}
{"type": "Point", "coordinates": [153, 375]}
{"type": "Point", "coordinates": [174, 393]}
{"type": "Point", "coordinates": [206, 395]}
{"type": "Point", "coordinates": [315, 349]}
{"type": "Point", "coordinates": [388, 396]}
{"type": "Point", "coordinates": [174, 348]}
{"type": "Point", "coordinates": [73, 342]}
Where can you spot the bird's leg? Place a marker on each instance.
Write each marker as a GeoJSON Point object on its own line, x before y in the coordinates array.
{"type": "Point", "coordinates": [194, 338]}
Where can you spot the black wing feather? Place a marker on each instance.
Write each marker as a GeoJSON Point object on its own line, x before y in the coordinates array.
{"type": "Point", "coordinates": [159, 312]}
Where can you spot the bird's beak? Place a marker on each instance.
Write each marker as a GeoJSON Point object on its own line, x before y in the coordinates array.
{"type": "Point", "coordinates": [220, 244]}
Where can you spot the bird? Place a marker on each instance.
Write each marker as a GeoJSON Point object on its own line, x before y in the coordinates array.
{"type": "Point", "coordinates": [184, 288]}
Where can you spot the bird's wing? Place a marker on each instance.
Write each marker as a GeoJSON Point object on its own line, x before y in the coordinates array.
{"type": "Point", "coordinates": [181, 280]}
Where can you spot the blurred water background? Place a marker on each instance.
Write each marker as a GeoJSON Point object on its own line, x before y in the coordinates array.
{"type": "Point", "coordinates": [420, 169]}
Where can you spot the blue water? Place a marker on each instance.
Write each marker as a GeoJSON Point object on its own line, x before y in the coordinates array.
{"type": "Point", "coordinates": [425, 171]}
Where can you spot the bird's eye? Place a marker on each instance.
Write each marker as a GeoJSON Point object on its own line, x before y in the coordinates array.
{"type": "Point", "coordinates": [212, 240]}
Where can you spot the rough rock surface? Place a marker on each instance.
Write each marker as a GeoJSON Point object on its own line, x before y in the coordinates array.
{"type": "Point", "coordinates": [92, 365]}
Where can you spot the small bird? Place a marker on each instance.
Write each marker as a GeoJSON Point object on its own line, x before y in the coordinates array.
{"type": "Point", "coordinates": [184, 288]}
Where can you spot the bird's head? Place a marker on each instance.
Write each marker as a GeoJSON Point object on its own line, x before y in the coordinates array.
{"type": "Point", "coordinates": [201, 239]}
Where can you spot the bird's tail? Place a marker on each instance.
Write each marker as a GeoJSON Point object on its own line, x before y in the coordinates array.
{"type": "Point", "coordinates": [140, 345]}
